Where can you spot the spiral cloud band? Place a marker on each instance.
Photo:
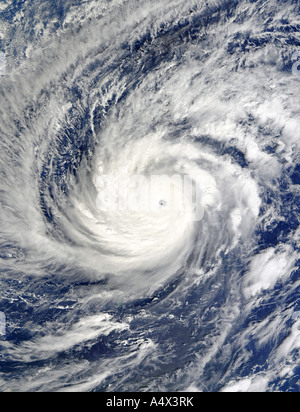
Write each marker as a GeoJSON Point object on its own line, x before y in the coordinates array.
{"type": "Point", "coordinates": [149, 193]}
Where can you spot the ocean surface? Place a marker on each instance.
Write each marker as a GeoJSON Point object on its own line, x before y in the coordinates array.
{"type": "Point", "coordinates": [200, 291]}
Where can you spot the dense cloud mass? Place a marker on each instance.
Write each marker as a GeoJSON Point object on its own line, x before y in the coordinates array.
{"type": "Point", "coordinates": [192, 283]}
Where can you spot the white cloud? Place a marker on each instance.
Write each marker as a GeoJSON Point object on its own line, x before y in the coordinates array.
{"type": "Point", "coordinates": [268, 268]}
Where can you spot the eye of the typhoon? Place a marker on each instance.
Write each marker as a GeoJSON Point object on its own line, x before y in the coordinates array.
{"type": "Point", "coordinates": [149, 195]}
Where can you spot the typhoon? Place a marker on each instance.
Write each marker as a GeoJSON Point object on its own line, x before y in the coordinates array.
{"type": "Point", "coordinates": [149, 195]}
